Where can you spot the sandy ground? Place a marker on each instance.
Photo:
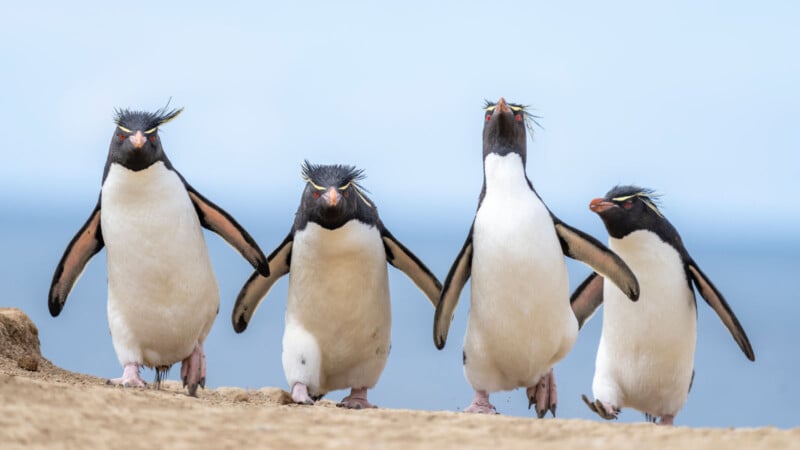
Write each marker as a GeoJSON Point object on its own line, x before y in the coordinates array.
{"type": "Point", "coordinates": [54, 408]}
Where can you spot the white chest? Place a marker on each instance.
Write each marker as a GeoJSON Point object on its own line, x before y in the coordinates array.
{"type": "Point", "coordinates": [338, 275]}
{"type": "Point", "coordinates": [666, 304]}
{"type": "Point", "coordinates": [646, 354]}
{"type": "Point", "coordinates": [162, 293]}
{"type": "Point", "coordinates": [152, 234]}
{"type": "Point", "coordinates": [152, 202]}
{"type": "Point", "coordinates": [338, 314]}
{"type": "Point", "coordinates": [516, 249]}
{"type": "Point", "coordinates": [520, 322]}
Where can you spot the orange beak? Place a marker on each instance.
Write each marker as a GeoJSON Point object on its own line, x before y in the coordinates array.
{"type": "Point", "coordinates": [502, 107]}
{"type": "Point", "coordinates": [599, 205]}
{"type": "Point", "coordinates": [332, 196]}
{"type": "Point", "coordinates": [137, 139]}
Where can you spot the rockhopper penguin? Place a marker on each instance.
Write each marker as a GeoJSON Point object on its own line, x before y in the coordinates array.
{"type": "Point", "coordinates": [520, 321]}
{"type": "Point", "coordinates": [162, 293]}
{"type": "Point", "coordinates": [646, 356]}
{"type": "Point", "coordinates": [338, 315]}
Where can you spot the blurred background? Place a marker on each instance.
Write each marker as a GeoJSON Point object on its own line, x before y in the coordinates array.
{"type": "Point", "coordinates": [698, 101]}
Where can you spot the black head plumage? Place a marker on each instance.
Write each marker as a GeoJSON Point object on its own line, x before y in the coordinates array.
{"type": "Point", "coordinates": [626, 209]}
{"type": "Point", "coordinates": [145, 121]}
{"type": "Point", "coordinates": [505, 126]}
{"type": "Point", "coordinates": [647, 196]}
{"type": "Point", "coordinates": [136, 144]}
{"type": "Point", "coordinates": [332, 175]}
{"type": "Point", "coordinates": [333, 196]}
{"type": "Point", "coordinates": [530, 119]}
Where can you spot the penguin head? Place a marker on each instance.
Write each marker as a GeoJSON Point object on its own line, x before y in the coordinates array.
{"type": "Point", "coordinates": [333, 195]}
{"type": "Point", "coordinates": [626, 209]}
{"type": "Point", "coordinates": [504, 128]}
{"type": "Point", "coordinates": [135, 143]}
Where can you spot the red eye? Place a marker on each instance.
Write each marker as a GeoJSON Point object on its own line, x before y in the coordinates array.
{"type": "Point", "coordinates": [628, 204]}
{"type": "Point", "coordinates": [152, 138]}
{"type": "Point", "coordinates": [488, 117]}
{"type": "Point", "coordinates": [346, 193]}
{"type": "Point", "coordinates": [316, 194]}
{"type": "Point", "coordinates": [518, 117]}
{"type": "Point", "coordinates": [121, 137]}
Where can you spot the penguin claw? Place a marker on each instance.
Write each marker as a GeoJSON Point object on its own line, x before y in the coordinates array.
{"type": "Point", "coordinates": [589, 404]}
{"type": "Point", "coordinates": [356, 400]}
{"type": "Point", "coordinates": [481, 405]}
{"type": "Point", "coordinates": [481, 409]}
{"type": "Point", "coordinates": [543, 395]}
{"type": "Point", "coordinates": [130, 377]}
{"type": "Point", "coordinates": [540, 413]}
{"type": "Point", "coordinates": [300, 394]}
{"type": "Point", "coordinates": [193, 370]}
{"type": "Point", "coordinates": [606, 412]}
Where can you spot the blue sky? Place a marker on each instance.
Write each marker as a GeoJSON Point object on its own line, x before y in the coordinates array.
{"type": "Point", "coordinates": [699, 101]}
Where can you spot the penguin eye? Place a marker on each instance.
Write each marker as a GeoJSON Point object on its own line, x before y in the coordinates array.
{"type": "Point", "coordinates": [152, 138]}
{"type": "Point", "coordinates": [121, 137]}
{"type": "Point", "coordinates": [346, 193]}
{"type": "Point", "coordinates": [628, 204]}
{"type": "Point", "coordinates": [315, 194]}
{"type": "Point", "coordinates": [488, 117]}
{"type": "Point", "coordinates": [518, 117]}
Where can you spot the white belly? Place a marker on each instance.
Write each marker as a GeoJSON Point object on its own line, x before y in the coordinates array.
{"type": "Point", "coordinates": [338, 314]}
{"type": "Point", "coordinates": [646, 354]}
{"type": "Point", "coordinates": [162, 293]}
{"type": "Point", "coordinates": [520, 322]}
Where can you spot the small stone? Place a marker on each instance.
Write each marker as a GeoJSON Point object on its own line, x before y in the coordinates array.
{"type": "Point", "coordinates": [28, 362]}
{"type": "Point", "coordinates": [242, 397]}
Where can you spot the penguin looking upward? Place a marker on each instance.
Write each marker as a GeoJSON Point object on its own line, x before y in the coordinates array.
{"type": "Point", "coordinates": [338, 315]}
{"type": "Point", "coordinates": [162, 293]}
{"type": "Point", "coordinates": [646, 355]}
{"type": "Point", "coordinates": [520, 321]}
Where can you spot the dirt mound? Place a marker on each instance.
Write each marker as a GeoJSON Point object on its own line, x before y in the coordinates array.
{"type": "Point", "coordinates": [19, 339]}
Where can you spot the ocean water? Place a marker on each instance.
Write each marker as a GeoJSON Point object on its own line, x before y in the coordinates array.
{"type": "Point", "coordinates": [758, 276]}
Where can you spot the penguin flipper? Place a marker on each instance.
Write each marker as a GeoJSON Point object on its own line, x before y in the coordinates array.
{"type": "Point", "coordinates": [578, 245]}
{"type": "Point", "coordinates": [217, 220]}
{"type": "Point", "coordinates": [717, 302]}
{"type": "Point", "coordinates": [402, 258]}
{"type": "Point", "coordinates": [587, 298]}
{"type": "Point", "coordinates": [453, 284]}
{"type": "Point", "coordinates": [86, 243]}
{"type": "Point", "coordinates": [257, 286]}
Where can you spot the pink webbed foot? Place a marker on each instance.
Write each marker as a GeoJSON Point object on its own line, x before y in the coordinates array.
{"type": "Point", "coordinates": [666, 420]}
{"type": "Point", "coordinates": [356, 400]}
{"type": "Point", "coordinates": [544, 395]}
{"type": "Point", "coordinates": [480, 404]}
{"type": "Point", "coordinates": [602, 409]}
{"type": "Point", "coordinates": [130, 377]}
{"type": "Point", "coordinates": [300, 394]}
{"type": "Point", "coordinates": [193, 370]}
